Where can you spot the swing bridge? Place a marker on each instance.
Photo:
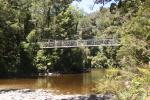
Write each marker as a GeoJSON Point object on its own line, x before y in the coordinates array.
{"type": "Point", "coordinates": [77, 43]}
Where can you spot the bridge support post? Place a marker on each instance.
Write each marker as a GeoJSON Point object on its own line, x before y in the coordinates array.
{"type": "Point", "coordinates": [77, 42]}
{"type": "Point", "coordinates": [55, 43]}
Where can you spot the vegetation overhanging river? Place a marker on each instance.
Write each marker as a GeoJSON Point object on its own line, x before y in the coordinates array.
{"type": "Point", "coordinates": [66, 84]}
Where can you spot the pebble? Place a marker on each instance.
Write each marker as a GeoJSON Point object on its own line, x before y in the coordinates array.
{"type": "Point", "coordinates": [27, 94]}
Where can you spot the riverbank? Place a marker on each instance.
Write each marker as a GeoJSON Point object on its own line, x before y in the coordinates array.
{"type": "Point", "coordinates": [28, 94]}
{"type": "Point", "coordinates": [41, 74]}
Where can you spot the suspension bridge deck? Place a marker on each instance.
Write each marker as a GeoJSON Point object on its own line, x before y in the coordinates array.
{"type": "Point", "coordinates": [77, 43]}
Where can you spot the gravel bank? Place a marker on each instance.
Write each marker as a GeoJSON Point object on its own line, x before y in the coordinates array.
{"type": "Point", "coordinates": [27, 94]}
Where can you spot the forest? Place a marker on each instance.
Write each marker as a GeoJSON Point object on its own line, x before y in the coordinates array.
{"type": "Point", "coordinates": [25, 22]}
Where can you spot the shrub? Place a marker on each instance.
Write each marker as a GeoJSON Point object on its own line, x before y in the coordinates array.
{"type": "Point", "coordinates": [126, 85]}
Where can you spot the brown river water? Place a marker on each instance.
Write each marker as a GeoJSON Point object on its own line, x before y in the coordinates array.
{"type": "Point", "coordinates": [62, 84]}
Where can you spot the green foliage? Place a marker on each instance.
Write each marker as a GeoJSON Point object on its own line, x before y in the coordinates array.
{"type": "Point", "coordinates": [24, 22]}
{"type": "Point", "coordinates": [99, 61]}
{"type": "Point", "coordinates": [127, 53]}
{"type": "Point", "coordinates": [42, 62]}
{"type": "Point", "coordinates": [138, 90]}
{"type": "Point", "coordinates": [112, 72]}
{"type": "Point", "coordinates": [125, 85]}
{"type": "Point", "coordinates": [105, 86]}
{"type": "Point", "coordinates": [105, 58]}
{"type": "Point", "coordinates": [130, 26]}
{"type": "Point", "coordinates": [64, 25]}
{"type": "Point", "coordinates": [32, 36]}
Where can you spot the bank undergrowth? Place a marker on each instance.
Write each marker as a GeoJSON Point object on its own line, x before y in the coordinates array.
{"type": "Point", "coordinates": [125, 84]}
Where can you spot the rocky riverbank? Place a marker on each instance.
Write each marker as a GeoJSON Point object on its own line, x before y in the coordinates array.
{"type": "Point", "coordinates": [27, 94]}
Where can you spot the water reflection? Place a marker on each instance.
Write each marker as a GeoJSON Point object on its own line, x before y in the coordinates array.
{"type": "Point", "coordinates": [63, 84]}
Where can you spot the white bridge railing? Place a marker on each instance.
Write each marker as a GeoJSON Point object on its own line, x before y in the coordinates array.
{"type": "Point", "coordinates": [78, 43]}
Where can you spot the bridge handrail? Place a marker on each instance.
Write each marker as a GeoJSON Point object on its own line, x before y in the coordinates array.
{"type": "Point", "coordinates": [77, 43]}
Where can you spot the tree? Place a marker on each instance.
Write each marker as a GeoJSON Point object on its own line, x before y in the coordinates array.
{"type": "Point", "coordinates": [134, 36]}
{"type": "Point", "coordinates": [130, 25]}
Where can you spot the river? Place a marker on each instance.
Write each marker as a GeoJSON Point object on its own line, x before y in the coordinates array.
{"type": "Point", "coordinates": [68, 84]}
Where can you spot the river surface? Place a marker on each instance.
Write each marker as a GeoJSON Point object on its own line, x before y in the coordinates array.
{"type": "Point", "coordinates": [62, 84]}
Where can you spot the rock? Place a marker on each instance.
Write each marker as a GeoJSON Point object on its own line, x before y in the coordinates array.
{"type": "Point", "coordinates": [92, 97]}
{"type": "Point", "coordinates": [28, 94]}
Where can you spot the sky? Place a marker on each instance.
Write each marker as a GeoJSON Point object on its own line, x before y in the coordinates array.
{"type": "Point", "coordinates": [86, 5]}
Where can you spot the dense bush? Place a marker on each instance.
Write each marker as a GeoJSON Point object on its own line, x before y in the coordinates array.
{"type": "Point", "coordinates": [125, 85]}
